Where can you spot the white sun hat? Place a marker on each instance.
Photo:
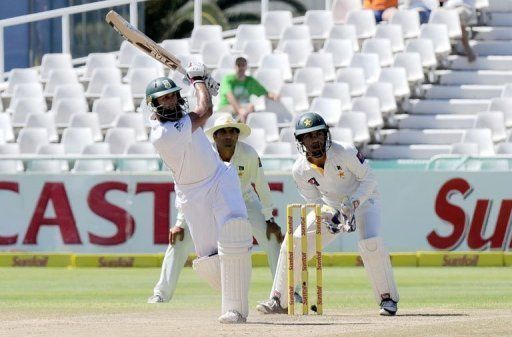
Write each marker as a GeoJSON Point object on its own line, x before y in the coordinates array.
{"type": "Point", "coordinates": [228, 122]}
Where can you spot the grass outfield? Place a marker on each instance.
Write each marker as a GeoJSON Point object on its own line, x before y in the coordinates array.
{"type": "Point", "coordinates": [127, 289]}
{"type": "Point", "coordinates": [53, 298]}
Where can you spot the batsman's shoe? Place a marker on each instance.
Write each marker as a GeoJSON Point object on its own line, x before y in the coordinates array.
{"type": "Point", "coordinates": [156, 299]}
{"type": "Point", "coordinates": [388, 307]}
{"type": "Point", "coordinates": [232, 317]}
{"type": "Point", "coordinates": [271, 306]}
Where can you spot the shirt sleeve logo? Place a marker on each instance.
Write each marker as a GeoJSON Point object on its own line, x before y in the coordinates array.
{"type": "Point", "coordinates": [178, 125]}
{"type": "Point", "coordinates": [360, 156]}
{"type": "Point", "coordinates": [313, 181]}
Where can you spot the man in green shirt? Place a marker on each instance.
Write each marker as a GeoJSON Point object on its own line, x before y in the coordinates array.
{"type": "Point", "coordinates": [236, 90]}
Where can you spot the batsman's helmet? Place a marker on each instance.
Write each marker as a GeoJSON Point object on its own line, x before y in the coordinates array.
{"type": "Point", "coordinates": [162, 86]}
{"type": "Point", "coordinates": [311, 122]}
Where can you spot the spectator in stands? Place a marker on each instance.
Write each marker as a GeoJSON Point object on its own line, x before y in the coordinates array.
{"type": "Point", "coordinates": [424, 7]}
{"type": "Point", "coordinates": [382, 9]}
{"type": "Point", "coordinates": [236, 90]}
{"type": "Point", "coordinates": [467, 12]}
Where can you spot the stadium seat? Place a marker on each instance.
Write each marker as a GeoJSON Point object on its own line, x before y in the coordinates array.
{"type": "Point", "coordinates": [179, 79]}
{"type": "Point", "coordinates": [495, 121]}
{"type": "Point", "coordinates": [248, 32]}
{"type": "Point", "coordinates": [275, 22]}
{"type": "Point", "coordinates": [270, 78]}
{"type": "Point", "coordinates": [355, 79]}
{"type": "Point", "coordinates": [278, 148]}
{"type": "Point", "coordinates": [127, 52]}
{"type": "Point", "coordinates": [108, 110]}
{"type": "Point", "coordinates": [177, 46]}
{"type": "Point", "coordinates": [298, 51]}
{"type": "Point", "coordinates": [217, 74]}
{"type": "Point", "coordinates": [227, 61]}
{"type": "Point", "coordinates": [345, 32]}
{"type": "Point", "coordinates": [18, 76]}
{"type": "Point", "coordinates": [23, 107]}
{"type": "Point", "coordinates": [286, 135]}
{"type": "Point", "coordinates": [394, 34]}
{"type": "Point", "coordinates": [448, 17]}
{"type": "Point", "coordinates": [438, 33]}
{"type": "Point", "coordinates": [143, 61]}
{"type": "Point", "coordinates": [51, 61]}
{"type": "Point", "coordinates": [295, 32]}
{"type": "Point", "coordinates": [100, 78]}
{"type": "Point", "coordinates": [44, 120]}
{"type": "Point", "coordinates": [503, 104]}
{"type": "Point", "coordinates": [340, 9]}
{"type": "Point", "coordinates": [319, 22]}
{"type": "Point", "coordinates": [134, 121]}
{"type": "Point", "coordinates": [410, 22]}
{"type": "Point", "coordinates": [257, 140]}
{"type": "Point", "coordinates": [325, 61]}
{"type": "Point", "coordinates": [397, 76]}
{"type": "Point", "coordinates": [384, 92]}
{"type": "Point", "coordinates": [88, 120]}
{"type": "Point", "coordinates": [328, 108]}
{"type": "Point", "coordinates": [6, 127]}
{"type": "Point", "coordinates": [30, 138]}
{"type": "Point", "coordinates": [340, 91]}
{"type": "Point", "coordinates": [283, 108]}
{"type": "Point", "coordinates": [98, 61]}
{"type": "Point", "coordinates": [266, 121]}
{"type": "Point", "coordinates": [49, 166]}
{"type": "Point", "coordinates": [356, 121]}
{"type": "Point", "coordinates": [470, 149]}
{"type": "Point", "coordinates": [140, 79]}
{"type": "Point", "coordinates": [75, 139]}
{"type": "Point", "coordinates": [424, 136]}
{"type": "Point", "coordinates": [254, 52]}
{"type": "Point", "coordinates": [364, 21]}
{"type": "Point", "coordinates": [312, 78]}
{"type": "Point", "coordinates": [424, 47]}
{"type": "Point", "coordinates": [119, 139]}
{"type": "Point", "coordinates": [68, 91]}
{"type": "Point", "coordinates": [369, 63]}
{"type": "Point", "coordinates": [58, 77]}
{"type": "Point", "coordinates": [411, 62]}
{"type": "Point", "coordinates": [279, 62]}
{"type": "Point", "coordinates": [122, 91]}
{"type": "Point", "coordinates": [416, 151]}
{"type": "Point", "coordinates": [381, 47]}
{"type": "Point", "coordinates": [140, 165]}
{"type": "Point", "coordinates": [341, 51]}
{"type": "Point", "coordinates": [213, 51]}
{"type": "Point", "coordinates": [8, 165]}
{"type": "Point", "coordinates": [483, 137]}
{"type": "Point", "coordinates": [64, 108]}
{"type": "Point", "coordinates": [343, 136]}
{"type": "Point", "coordinates": [448, 121]}
{"type": "Point", "coordinates": [504, 148]}
{"type": "Point", "coordinates": [26, 90]}
{"type": "Point", "coordinates": [297, 91]}
{"type": "Point", "coordinates": [94, 165]}
{"type": "Point", "coordinates": [371, 107]}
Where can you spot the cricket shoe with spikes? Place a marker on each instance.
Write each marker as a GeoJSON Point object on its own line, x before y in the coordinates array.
{"type": "Point", "coordinates": [388, 307]}
{"type": "Point", "coordinates": [271, 306]}
{"type": "Point", "coordinates": [155, 299]}
{"type": "Point", "coordinates": [232, 317]}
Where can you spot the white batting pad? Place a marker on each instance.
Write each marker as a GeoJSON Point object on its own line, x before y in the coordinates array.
{"type": "Point", "coordinates": [378, 267]}
{"type": "Point", "coordinates": [208, 268]}
{"type": "Point", "coordinates": [235, 243]}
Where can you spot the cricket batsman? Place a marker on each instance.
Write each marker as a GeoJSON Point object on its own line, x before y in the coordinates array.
{"type": "Point", "coordinates": [226, 134]}
{"type": "Point", "coordinates": [339, 178]}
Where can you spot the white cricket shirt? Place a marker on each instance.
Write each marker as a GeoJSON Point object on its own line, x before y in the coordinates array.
{"type": "Point", "coordinates": [346, 174]}
{"type": "Point", "coordinates": [190, 156]}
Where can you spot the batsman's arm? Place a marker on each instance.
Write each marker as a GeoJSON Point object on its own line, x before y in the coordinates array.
{"type": "Point", "coordinates": [204, 108]}
{"type": "Point", "coordinates": [357, 164]}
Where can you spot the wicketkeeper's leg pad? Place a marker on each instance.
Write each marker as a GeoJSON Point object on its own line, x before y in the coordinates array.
{"type": "Point", "coordinates": [208, 268]}
{"type": "Point", "coordinates": [235, 243]}
{"type": "Point", "coordinates": [378, 268]}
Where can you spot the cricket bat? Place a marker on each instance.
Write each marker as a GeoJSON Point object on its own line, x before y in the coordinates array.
{"type": "Point", "coordinates": [144, 43]}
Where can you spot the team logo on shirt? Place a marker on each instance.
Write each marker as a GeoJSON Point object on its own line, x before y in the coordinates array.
{"type": "Point", "coordinates": [341, 174]}
{"type": "Point", "coordinates": [313, 181]}
{"type": "Point", "coordinates": [240, 170]}
{"type": "Point", "coordinates": [178, 125]}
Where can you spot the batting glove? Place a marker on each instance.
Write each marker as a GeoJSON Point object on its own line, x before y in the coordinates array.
{"type": "Point", "coordinates": [196, 73]}
{"type": "Point", "coordinates": [211, 85]}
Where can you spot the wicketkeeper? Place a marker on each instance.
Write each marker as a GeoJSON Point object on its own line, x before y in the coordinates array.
{"type": "Point", "coordinates": [339, 178]}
